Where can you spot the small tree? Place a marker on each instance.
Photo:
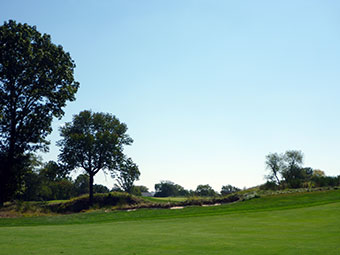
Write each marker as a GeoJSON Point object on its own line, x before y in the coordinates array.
{"type": "Point", "coordinates": [289, 166]}
{"type": "Point", "coordinates": [93, 142]}
{"type": "Point", "coordinates": [275, 164]}
{"type": "Point", "coordinates": [318, 173]}
{"type": "Point", "coordinates": [81, 184]}
{"type": "Point", "coordinates": [292, 171]}
{"type": "Point", "coordinates": [45, 182]}
{"type": "Point", "coordinates": [205, 191]}
{"type": "Point", "coordinates": [128, 174]}
{"type": "Point", "coordinates": [52, 171]}
{"type": "Point", "coordinates": [142, 188]}
{"type": "Point", "coordinates": [99, 188]}
{"type": "Point", "coordinates": [228, 189]}
{"type": "Point", "coordinates": [138, 190]}
{"type": "Point", "coordinates": [169, 189]}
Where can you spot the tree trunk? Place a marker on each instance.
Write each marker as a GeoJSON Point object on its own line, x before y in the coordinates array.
{"type": "Point", "coordinates": [1, 196]}
{"type": "Point", "coordinates": [277, 179]}
{"type": "Point", "coordinates": [91, 190]}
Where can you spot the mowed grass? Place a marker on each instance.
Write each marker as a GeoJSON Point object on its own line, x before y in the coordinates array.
{"type": "Point", "coordinates": [306, 223]}
{"type": "Point", "coordinates": [165, 199]}
{"type": "Point", "coordinates": [56, 201]}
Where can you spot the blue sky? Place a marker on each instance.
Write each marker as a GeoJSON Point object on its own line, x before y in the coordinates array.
{"type": "Point", "coordinates": [207, 88]}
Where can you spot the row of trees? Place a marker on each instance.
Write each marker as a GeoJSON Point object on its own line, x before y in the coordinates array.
{"type": "Point", "coordinates": [170, 189]}
{"type": "Point", "coordinates": [36, 82]}
{"type": "Point", "coordinates": [51, 181]}
{"type": "Point", "coordinates": [286, 171]}
{"type": "Point", "coordinates": [44, 185]}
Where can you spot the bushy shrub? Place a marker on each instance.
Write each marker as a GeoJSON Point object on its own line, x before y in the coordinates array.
{"type": "Point", "coordinates": [212, 200]}
{"type": "Point", "coordinates": [169, 189]}
{"type": "Point", "coordinates": [228, 189]}
{"type": "Point", "coordinates": [99, 200]}
{"type": "Point", "coordinates": [269, 185]}
{"type": "Point", "coordinates": [323, 181]}
{"type": "Point", "coordinates": [27, 207]}
{"type": "Point", "coordinates": [205, 191]}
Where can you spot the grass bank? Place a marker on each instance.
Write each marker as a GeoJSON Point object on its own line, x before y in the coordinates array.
{"type": "Point", "coordinates": [304, 223]}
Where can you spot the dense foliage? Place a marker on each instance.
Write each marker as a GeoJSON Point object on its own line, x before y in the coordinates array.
{"type": "Point", "coordinates": [100, 200]}
{"type": "Point", "coordinates": [36, 81]}
{"type": "Point", "coordinates": [94, 142]}
{"type": "Point", "coordinates": [50, 182]}
{"type": "Point", "coordinates": [205, 191]}
{"type": "Point", "coordinates": [169, 189]}
{"type": "Point", "coordinates": [287, 171]}
{"type": "Point", "coordinates": [228, 189]}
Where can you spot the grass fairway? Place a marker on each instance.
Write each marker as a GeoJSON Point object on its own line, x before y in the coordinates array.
{"type": "Point", "coordinates": [287, 224]}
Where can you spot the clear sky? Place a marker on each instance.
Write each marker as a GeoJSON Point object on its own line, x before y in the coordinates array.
{"type": "Point", "coordinates": [207, 88]}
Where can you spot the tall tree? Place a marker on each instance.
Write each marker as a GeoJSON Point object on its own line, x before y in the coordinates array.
{"type": "Point", "coordinates": [36, 81]}
{"type": "Point", "coordinates": [94, 142]}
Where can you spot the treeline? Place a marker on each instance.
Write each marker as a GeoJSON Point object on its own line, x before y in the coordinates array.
{"type": "Point", "coordinates": [170, 189]}
{"type": "Point", "coordinates": [286, 170]}
{"type": "Point", "coordinates": [51, 181]}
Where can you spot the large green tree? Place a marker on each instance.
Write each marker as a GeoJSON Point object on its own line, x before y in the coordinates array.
{"type": "Point", "coordinates": [93, 142]}
{"type": "Point", "coordinates": [36, 81]}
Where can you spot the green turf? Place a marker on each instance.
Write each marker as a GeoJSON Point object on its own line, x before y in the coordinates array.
{"type": "Point", "coordinates": [287, 224]}
{"type": "Point", "coordinates": [56, 201]}
{"type": "Point", "coordinates": [165, 199]}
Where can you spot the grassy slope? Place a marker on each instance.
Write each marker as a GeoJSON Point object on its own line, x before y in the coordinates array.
{"type": "Point", "coordinates": [259, 226]}
{"type": "Point", "coordinates": [165, 199]}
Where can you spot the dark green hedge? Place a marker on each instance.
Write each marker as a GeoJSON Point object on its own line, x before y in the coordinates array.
{"type": "Point", "coordinates": [99, 200]}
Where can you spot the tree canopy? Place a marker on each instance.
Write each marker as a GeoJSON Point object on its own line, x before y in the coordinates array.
{"type": "Point", "coordinates": [274, 163]}
{"type": "Point", "coordinates": [93, 142]}
{"type": "Point", "coordinates": [36, 81]}
{"type": "Point", "coordinates": [169, 189]}
{"type": "Point", "coordinates": [286, 169]}
{"type": "Point", "coordinates": [205, 191]}
{"type": "Point", "coordinates": [228, 189]}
